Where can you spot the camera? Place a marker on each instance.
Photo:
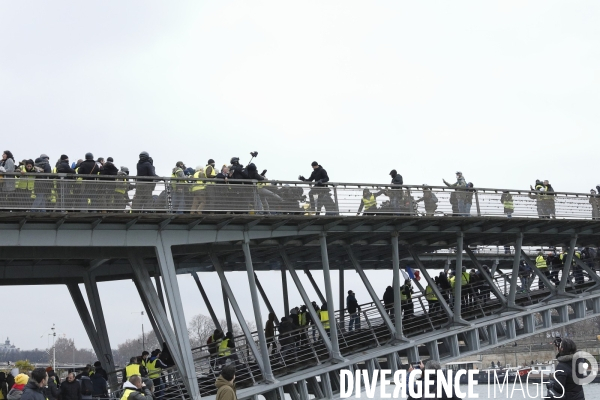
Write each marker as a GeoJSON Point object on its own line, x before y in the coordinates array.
{"type": "Point", "coordinates": [254, 153]}
{"type": "Point", "coordinates": [557, 342]}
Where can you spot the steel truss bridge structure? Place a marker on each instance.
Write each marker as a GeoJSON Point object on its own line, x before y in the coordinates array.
{"type": "Point", "coordinates": [151, 246]}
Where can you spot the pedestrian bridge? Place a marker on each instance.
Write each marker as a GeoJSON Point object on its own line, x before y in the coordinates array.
{"type": "Point", "coordinates": [92, 241]}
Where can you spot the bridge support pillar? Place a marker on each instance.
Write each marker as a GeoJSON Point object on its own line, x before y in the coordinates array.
{"type": "Point", "coordinates": [472, 337]}
{"type": "Point", "coordinates": [342, 293]}
{"type": "Point", "coordinates": [393, 362]}
{"type": "Point", "coordinates": [486, 276]}
{"type": "Point", "coordinates": [596, 305]}
{"type": "Point", "coordinates": [593, 275]}
{"type": "Point", "coordinates": [184, 361]}
{"type": "Point", "coordinates": [492, 334]}
{"type": "Point", "coordinates": [263, 295]}
{"type": "Point", "coordinates": [529, 323]}
{"type": "Point", "coordinates": [150, 315]}
{"type": "Point", "coordinates": [412, 353]}
{"type": "Point", "coordinates": [227, 309]}
{"type": "Point", "coordinates": [434, 350]}
{"type": "Point", "coordinates": [266, 369]}
{"type": "Point", "coordinates": [436, 290]}
{"type": "Point", "coordinates": [514, 279]}
{"type": "Point", "coordinates": [315, 286]}
{"type": "Point", "coordinates": [458, 320]}
{"type": "Point", "coordinates": [284, 287]}
{"type": "Point", "coordinates": [171, 287]}
{"type": "Point", "coordinates": [90, 329]}
{"type": "Point", "coordinates": [565, 272]}
{"type": "Point", "coordinates": [399, 335]}
{"type": "Point", "coordinates": [240, 317]}
{"type": "Point", "coordinates": [511, 329]}
{"type": "Point", "coordinates": [326, 382]}
{"type": "Point", "coordinates": [311, 310]}
{"type": "Point", "coordinates": [91, 287]}
{"type": "Point", "coordinates": [384, 315]}
{"type": "Point", "coordinates": [211, 311]}
{"type": "Point", "coordinates": [333, 331]}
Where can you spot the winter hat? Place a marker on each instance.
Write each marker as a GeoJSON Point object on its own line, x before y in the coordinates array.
{"type": "Point", "coordinates": [21, 379]}
{"type": "Point", "coordinates": [64, 157]}
{"type": "Point", "coordinates": [48, 369]}
{"type": "Point", "coordinates": [211, 161]}
{"type": "Point", "coordinates": [43, 156]}
{"type": "Point", "coordinates": [110, 159]}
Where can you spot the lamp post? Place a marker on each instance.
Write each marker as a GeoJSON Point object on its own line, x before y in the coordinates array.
{"type": "Point", "coordinates": [53, 347]}
{"type": "Point", "coordinates": [143, 335]}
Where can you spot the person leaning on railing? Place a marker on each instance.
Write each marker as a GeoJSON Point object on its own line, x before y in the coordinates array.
{"type": "Point", "coordinates": [25, 188]}
{"type": "Point", "coordinates": [144, 188]}
{"type": "Point", "coordinates": [460, 185]}
{"type": "Point", "coordinates": [8, 183]}
{"type": "Point", "coordinates": [595, 203]}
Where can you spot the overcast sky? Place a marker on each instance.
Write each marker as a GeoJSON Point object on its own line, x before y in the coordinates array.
{"type": "Point", "coordinates": [506, 91]}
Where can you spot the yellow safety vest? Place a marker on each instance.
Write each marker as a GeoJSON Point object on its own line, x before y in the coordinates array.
{"type": "Point", "coordinates": [540, 262]}
{"type": "Point", "coordinates": [210, 171]}
{"type": "Point", "coordinates": [324, 315]}
{"type": "Point", "coordinates": [174, 175]}
{"type": "Point", "coordinates": [121, 187]}
{"type": "Point", "coordinates": [452, 281]}
{"type": "Point", "coordinates": [370, 202]}
{"type": "Point", "coordinates": [465, 279]}
{"type": "Point", "coordinates": [26, 182]}
{"type": "Point", "coordinates": [302, 319]}
{"type": "Point", "coordinates": [153, 370]}
{"type": "Point", "coordinates": [429, 294]}
{"type": "Point", "coordinates": [224, 350]}
{"type": "Point", "coordinates": [198, 185]}
{"type": "Point", "coordinates": [126, 394]}
{"type": "Point", "coordinates": [132, 369]}
{"type": "Point", "coordinates": [509, 205]}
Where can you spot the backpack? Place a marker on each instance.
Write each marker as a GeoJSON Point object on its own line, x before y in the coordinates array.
{"type": "Point", "coordinates": [86, 387]}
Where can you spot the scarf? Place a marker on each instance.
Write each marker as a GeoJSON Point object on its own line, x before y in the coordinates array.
{"type": "Point", "coordinates": [19, 387]}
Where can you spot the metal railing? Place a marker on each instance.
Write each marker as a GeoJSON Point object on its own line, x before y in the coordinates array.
{"type": "Point", "coordinates": [303, 347]}
{"type": "Point", "coordinates": [65, 193]}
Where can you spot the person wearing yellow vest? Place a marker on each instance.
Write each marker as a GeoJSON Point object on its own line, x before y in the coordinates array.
{"type": "Point", "coordinates": [25, 187]}
{"type": "Point", "coordinates": [198, 190]}
{"type": "Point", "coordinates": [542, 265]}
{"type": "Point", "coordinates": [135, 389]}
{"type": "Point", "coordinates": [431, 299]}
{"type": "Point", "coordinates": [210, 192]}
{"type": "Point", "coordinates": [368, 202]}
{"type": "Point", "coordinates": [179, 188]}
{"type": "Point", "coordinates": [133, 368]}
{"type": "Point", "coordinates": [406, 303]}
{"type": "Point", "coordinates": [154, 366]}
{"type": "Point", "coordinates": [227, 349]}
{"type": "Point", "coordinates": [324, 317]}
{"type": "Point", "coordinates": [507, 201]}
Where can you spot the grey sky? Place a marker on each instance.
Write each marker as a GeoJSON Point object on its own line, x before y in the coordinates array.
{"type": "Point", "coordinates": [506, 91]}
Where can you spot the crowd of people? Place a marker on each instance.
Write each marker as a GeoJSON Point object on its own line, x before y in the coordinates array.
{"type": "Point", "coordinates": [98, 184]}
{"type": "Point", "coordinates": [141, 380]}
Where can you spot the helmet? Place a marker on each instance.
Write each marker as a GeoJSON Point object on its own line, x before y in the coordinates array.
{"type": "Point", "coordinates": [89, 156]}
{"type": "Point", "coordinates": [144, 155]}
{"type": "Point", "coordinates": [458, 173]}
{"type": "Point", "coordinates": [234, 160]}
{"type": "Point", "coordinates": [125, 169]}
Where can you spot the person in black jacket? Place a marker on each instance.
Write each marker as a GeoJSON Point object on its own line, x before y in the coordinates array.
{"type": "Point", "coordinates": [70, 389]}
{"type": "Point", "coordinates": [34, 390]}
{"type": "Point", "coordinates": [144, 187]}
{"type": "Point", "coordinates": [388, 301]}
{"type": "Point", "coordinates": [564, 385]}
{"type": "Point", "coordinates": [320, 190]}
{"type": "Point", "coordinates": [106, 185]}
{"type": "Point", "coordinates": [100, 387]}
{"type": "Point", "coordinates": [88, 191]}
{"type": "Point", "coordinates": [353, 310]}
{"type": "Point", "coordinates": [286, 338]}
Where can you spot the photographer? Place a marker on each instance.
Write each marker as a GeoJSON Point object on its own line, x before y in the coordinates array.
{"type": "Point", "coordinates": [320, 177]}
{"type": "Point", "coordinates": [563, 385]}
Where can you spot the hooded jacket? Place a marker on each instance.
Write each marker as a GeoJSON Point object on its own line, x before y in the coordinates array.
{"type": "Point", "coordinates": [88, 167]}
{"type": "Point", "coordinates": [388, 296]}
{"type": "Point", "coordinates": [352, 304]}
{"type": "Point", "coordinates": [109, 169]}
{"type": "Point", "coordinates": [225, 389]}
{"type": "Point", "coordinates": [33, 391]}
{"type": "Point", "coordinates": [145, 167]}
{"type": "Point", "coordinates": [138, 394]}
{"type": "Point", "coordinates": [563, 378]}
{"type": "Point", "coordinates": [64, 168]}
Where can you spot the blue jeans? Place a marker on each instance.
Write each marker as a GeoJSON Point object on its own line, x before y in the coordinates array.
{"type": "Point", "coordinates": [462, 209]}
{"type": "Point", "coordinates": [354, 321]}
{"type": "Point", "coordinates": [468, 209]}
